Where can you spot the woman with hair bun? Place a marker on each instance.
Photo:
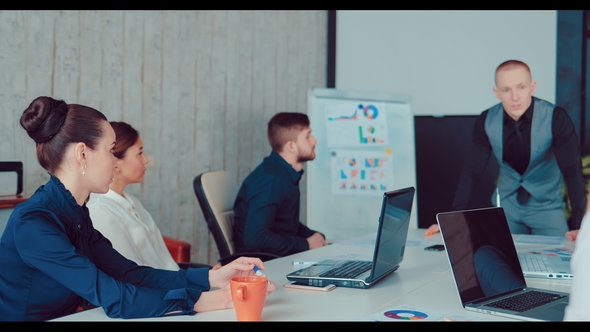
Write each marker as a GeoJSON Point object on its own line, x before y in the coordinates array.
{"type": "Point", "coordinates": [52, 259]}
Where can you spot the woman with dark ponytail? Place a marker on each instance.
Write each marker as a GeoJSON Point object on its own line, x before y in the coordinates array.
{"type": "Point", "coordinates": [52, 260]}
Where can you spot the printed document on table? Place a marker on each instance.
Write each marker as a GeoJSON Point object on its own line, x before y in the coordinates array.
{"type": "Point", "coordinates": [406, 313]}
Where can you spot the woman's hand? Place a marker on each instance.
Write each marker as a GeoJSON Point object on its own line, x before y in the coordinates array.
{"type": "Point", "coordinates": [219, 278]}
{"type": "Point", "coordinates": [220, 299]}
{"type": "Point", "coordinates": [243, 266]}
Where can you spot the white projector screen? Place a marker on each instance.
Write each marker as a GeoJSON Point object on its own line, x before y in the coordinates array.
{"type": "Point", "coordinates": [445, 60]}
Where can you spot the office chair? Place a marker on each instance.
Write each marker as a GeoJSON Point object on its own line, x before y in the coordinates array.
{"type": "Point", "coordinates": [179, 250]}
{"type": "Point", "coordinates": [216, 192]}
{"type": "Point", "coordinates": [181, 253]}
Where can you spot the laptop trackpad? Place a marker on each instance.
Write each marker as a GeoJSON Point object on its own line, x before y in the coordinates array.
{"type": "Point", "coordinates": [553, 312]}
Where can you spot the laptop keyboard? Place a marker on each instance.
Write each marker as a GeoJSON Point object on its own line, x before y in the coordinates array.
{"type": "Point", "coordinates": [525, 301]}
{"type": "Point", "coordinates": [536, 263]}
{"type": "Point", "coordinates": [348, 271]}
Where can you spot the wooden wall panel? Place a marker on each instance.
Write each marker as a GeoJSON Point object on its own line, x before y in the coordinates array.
{"type": "Point", "coordinates": [111, 84]}
{"type": "Point", "coordinates": [12, 55]}
{"type": "Point", "coordinates": [39, 75]}
{"type": "Point", "coordinates": [245, 96]}
{"type": "Point", "coordinates": [186, 122]}
{"type": "Point", "coordinates": [168, 122]}
{"type": "Point", "coordinates": [202, 132]}
{"type": "Point", "coordinates": [232, 92]}
{"type": "Point", "coordinates": [282, 84]}
{"type": "Point", "coordinates": [259, 61]}
{"type": "Point", "coordinates": [199, 86]}
{"type": "Point", "coordinates": [132, 67]}
{"type": "Point", "coordinates": [152, 113]}
{"type": "Point", "coordinates": [90, 63]}
{"type": "Point", "coordinates": [67, 75]}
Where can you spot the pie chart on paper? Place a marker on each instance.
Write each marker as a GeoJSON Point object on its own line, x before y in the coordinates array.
{"type": "Point", "coordinates": [405, 314]}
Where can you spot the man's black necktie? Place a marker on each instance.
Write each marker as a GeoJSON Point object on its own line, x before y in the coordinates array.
{"type": "Point", "coordinates": [522, 196]}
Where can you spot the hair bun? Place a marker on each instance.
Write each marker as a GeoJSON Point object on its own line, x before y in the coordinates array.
{"type": "Point", "coordinates": [43, 118]}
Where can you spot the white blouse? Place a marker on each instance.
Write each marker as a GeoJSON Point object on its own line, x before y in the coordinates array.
{"type": "Point", "coordinates": [130, 228]}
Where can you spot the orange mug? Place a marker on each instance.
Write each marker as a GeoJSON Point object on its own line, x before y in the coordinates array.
{"type": "Point", "coordinates": [248, 295]}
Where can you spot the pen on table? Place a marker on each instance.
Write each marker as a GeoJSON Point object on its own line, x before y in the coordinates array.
{"type": "Point", "coordinates": [428, 234]}
{"type": "Point", "coordinates": [297, 262]}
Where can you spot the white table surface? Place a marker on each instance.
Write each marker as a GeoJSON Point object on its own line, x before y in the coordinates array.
{"type": "Point", "coordinates": [423, 280]}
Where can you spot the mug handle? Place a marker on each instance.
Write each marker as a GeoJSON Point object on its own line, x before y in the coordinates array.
{"type": "Point", "coordinates": [241, 293]}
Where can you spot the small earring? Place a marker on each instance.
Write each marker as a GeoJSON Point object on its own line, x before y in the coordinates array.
{"type": "Point", "coordinates": [83, 172]}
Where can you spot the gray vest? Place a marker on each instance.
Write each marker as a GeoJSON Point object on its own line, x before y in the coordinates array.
{"type": "Point", "coordinates": [542, 178]}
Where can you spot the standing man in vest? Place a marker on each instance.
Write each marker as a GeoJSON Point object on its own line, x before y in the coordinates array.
{"type": "Point", "coordinates": [536, 145]}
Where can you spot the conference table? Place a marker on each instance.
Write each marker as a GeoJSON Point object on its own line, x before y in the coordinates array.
{"type": "Point", "coordinates": [424, 280]}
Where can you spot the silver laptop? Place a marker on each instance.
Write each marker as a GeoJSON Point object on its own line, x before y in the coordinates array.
{"type": "Point", "coordinates": [389, 250]}
{"type": "Point", "coordinates": [553, 263]}
{"type": "Point", "coordinates": [486, 269]}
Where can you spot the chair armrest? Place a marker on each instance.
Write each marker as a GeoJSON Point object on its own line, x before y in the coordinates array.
{"type": "Point", "coordinates": [179, 250]}
{"type": "Point", "coordinates": [264, 256]}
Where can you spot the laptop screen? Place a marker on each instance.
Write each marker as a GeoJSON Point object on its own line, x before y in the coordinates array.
{"type": "Point", "coordinates": [481, 252]}
{"type": "Point", "coordinates": [391, 239]}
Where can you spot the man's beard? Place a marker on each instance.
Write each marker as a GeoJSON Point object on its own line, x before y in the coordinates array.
{"type": "Point", "coordinates": [304, 158]}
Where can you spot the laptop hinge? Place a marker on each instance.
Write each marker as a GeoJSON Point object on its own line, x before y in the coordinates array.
{"type": "Point", "coordinates": [496, 296]}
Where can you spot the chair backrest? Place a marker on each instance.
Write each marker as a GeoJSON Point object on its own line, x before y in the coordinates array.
{"type": "Point", "coordinates": [216, 192]}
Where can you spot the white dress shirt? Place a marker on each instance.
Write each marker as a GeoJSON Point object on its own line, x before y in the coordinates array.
{"type": "Point", "coordinates": [130, 228]}
{"type": "Point", "coordinates": [578, 307]}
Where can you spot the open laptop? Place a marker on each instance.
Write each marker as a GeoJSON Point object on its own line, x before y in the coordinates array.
{"type": "Point", "coordinates": [389, 250]}
{"type": "Point", "coordinates": [553, 263]}
{"type": "Point", "coordinates": [487, 271]}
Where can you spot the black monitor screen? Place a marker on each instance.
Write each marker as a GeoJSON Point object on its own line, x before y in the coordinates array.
{"type": "Point", "coordinates": [481, 252]}
{"type": "Point", "coordinates": [391, 239]}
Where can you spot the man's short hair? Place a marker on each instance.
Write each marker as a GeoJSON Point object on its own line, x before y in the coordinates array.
{"type": "Point", "coordinates": [284, 127]}
{"type": "Point", "coordinates": [510, 64]}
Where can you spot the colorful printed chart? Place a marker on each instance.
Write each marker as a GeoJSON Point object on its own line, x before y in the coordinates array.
{"type": "Point", "coordinates": [357, 172]}
{"type": "Point", "coordinates": [353, 124]}
{"type": "Point", "coordinates": [370, 111]}
{"type": "Point", "coordinates": [405, 314]}
{"type": "Point", "coordinates": [561, 251]}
